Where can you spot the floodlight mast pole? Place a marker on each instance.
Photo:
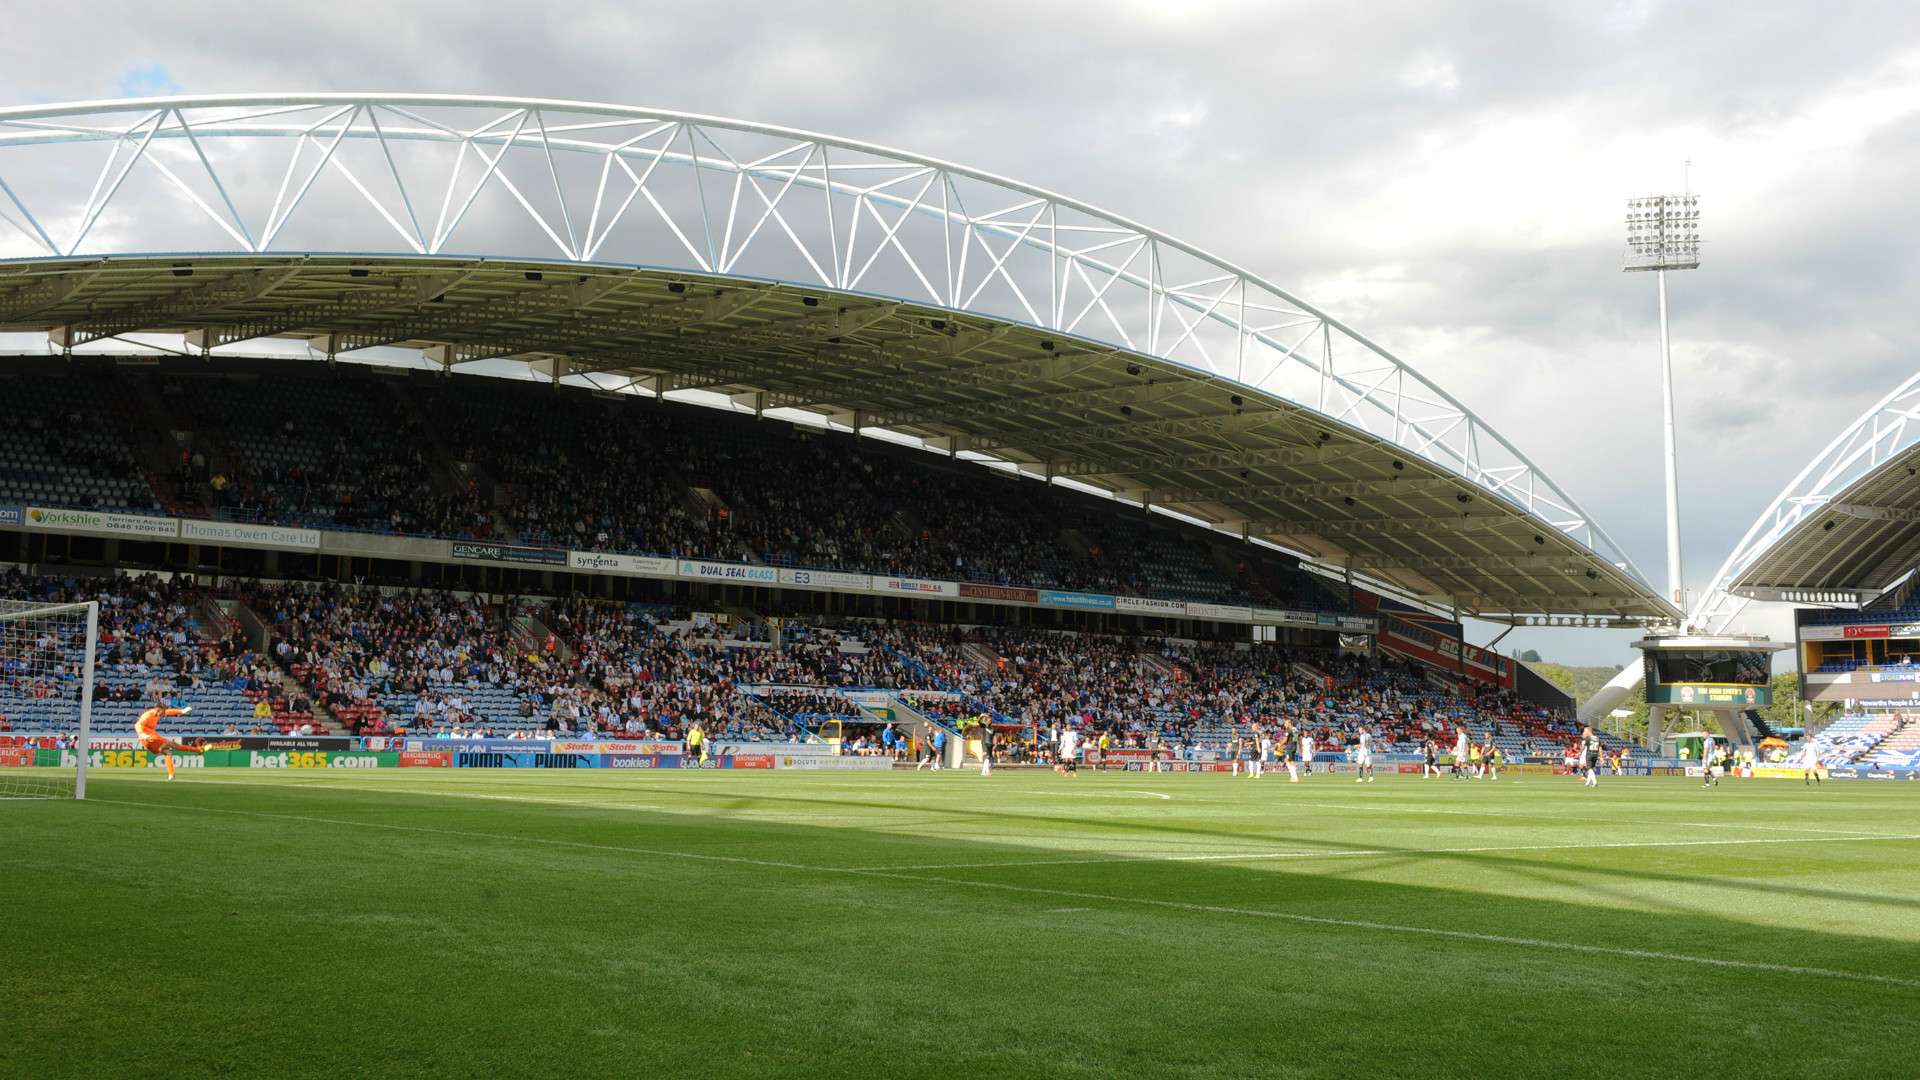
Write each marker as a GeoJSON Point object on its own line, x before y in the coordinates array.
{"type": "Point", "coordinates": [1676, 586]}
{"type": "Point", "coordinates": [1663, 234]}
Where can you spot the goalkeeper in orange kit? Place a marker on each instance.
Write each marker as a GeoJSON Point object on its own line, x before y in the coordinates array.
{"type": "Point", "coordinates": [146, 729]}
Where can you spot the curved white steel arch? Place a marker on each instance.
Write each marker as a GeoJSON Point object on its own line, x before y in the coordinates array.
{"type": "Point", "coordinates": [1886, 430]}
{"type": "Point", "coordinates": [1880, 434]}
{"type": "Point", "coordinates": [503, 177]}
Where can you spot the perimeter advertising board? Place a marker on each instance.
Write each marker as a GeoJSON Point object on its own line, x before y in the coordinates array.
{"type": "Point", "coordinates": [125, 759]}
{"type": "Point", "coordinates": [831, 764]}
{"type": "Point", "coordinates": [306, 759]}
{"type": "Point", "coordinates": [640, 761]}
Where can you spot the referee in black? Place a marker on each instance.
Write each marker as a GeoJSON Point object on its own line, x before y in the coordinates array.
{"type": "Point", "coordinates": [986, 747]}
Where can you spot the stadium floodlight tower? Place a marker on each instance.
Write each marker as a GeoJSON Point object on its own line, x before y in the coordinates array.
{"type": "Point", "coordinates": [1663, 233]}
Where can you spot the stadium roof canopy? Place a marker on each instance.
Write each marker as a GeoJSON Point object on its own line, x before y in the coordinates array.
{"type": "Point", "coordinates": [1843, 530]}
{"type": "Point", "coordinates": [645, 252]}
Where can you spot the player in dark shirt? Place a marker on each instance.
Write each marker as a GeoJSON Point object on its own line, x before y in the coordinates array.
{"type": "Point", "coordinates": [1590, 758]}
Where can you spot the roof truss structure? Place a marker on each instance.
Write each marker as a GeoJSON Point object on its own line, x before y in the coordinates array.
{"type": "Point", "coordinates": [661, 251]}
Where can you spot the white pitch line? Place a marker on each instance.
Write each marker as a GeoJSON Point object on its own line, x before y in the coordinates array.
{"type": "Point", "coordinates": [1117, 793]}
{"type": "Point", "coordinates": [1071, 894]}
{"type": "Point", "coordinates": [1342, 853]}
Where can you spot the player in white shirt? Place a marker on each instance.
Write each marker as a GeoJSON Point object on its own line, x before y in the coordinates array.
{"type": "Point", "coordinates": [1069, 749]}
{"type": "Point", "coordinates": [1706, 763]}
{"type": "Point", "coordinates": [1810, 765]}
{"type": "Point", "coordinates": [1460, 755]}
{"type": "Point", "coordinates": [1363, 757]}
{"type": "Point", "coordinates": [1306, 753]}
{"type": "Point", "coordinates": [1263, 749]}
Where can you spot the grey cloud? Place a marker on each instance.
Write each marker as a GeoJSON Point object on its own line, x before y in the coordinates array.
{"type": "Point", "coordinates": [1255, 130]}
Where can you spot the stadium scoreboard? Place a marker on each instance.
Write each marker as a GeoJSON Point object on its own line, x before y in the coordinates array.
{"type": "Point", "coordinates": [1709, 672]}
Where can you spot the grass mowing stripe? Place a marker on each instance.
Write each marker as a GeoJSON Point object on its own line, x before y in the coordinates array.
{"type": "Point", "coordinates": [1401, 852]}
{"type": "Point", "coordinates": [1073, 894]}
{"type": "Point", "coordinates": [1389, 808]}
{"type": "Point", "coordinates": [938, 788]}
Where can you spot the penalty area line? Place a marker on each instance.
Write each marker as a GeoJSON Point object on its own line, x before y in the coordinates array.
{"type": "Point", "coordinates": [1298, 918]}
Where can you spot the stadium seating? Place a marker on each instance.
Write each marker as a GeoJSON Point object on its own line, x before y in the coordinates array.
{"type": "Point", "coordinates": [58, 447]}
{"type": "Point", "coordinates": [1884, 740]}
{"type": "Point", "coordinates": [154, 646]}
{"type": "Point", "coordinates": [387, 660]}
{"type": "Point", "coordinates": [1853, 738]}
{"type": "Point", "coordinates": [472, 457]}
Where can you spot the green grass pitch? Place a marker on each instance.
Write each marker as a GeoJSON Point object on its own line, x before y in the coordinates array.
{"type": "Point", "coordinates": [506, 924]}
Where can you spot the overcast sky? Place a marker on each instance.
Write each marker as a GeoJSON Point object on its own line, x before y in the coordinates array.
{"type": "Point", "coordinates": [1447, 178]}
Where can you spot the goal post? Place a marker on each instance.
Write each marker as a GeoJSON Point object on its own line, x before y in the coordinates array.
{"type": "Point", "coordinates": [47, 664]}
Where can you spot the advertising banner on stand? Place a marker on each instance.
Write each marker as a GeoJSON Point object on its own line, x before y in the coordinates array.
{"type": "Point", "coordinates": [1011, 594]}
{"type": "Point", "coordinates": [1082, 601]}
{"type": "Point", "coordinates": [1146, 605]}
{"type": "Point", "coordinates": [508, 553]}
{"type": "Point", "coordinates": [613, 746]}
{"type": "Point", "coordinates": [603, 562]}
{"type": "Point", "coordinates": [916, 586]}
{"type": "Point", "coordinates": [517, 746]}
{"type": "Point", "coordinates": [95, 521]}
{"type": "Point", "coordinates": [1219, 612]}
{"type": "Point", "coordinates": [713, 571]}
{"type": "Point", "coordinates": [827, 579]}
{"type": "Point", "coordinates": [246, 534]}
{"type": "Point", "coordinates": [289, 742]}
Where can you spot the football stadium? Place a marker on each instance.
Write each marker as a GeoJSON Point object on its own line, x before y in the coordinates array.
{"type": "Point", "coordinates": [981, 634]}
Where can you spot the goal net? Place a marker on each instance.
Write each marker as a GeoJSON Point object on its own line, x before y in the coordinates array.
{"type": "Point", "coordinates": [46, 696]}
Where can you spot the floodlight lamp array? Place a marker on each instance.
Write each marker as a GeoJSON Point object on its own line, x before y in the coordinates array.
{"type": "Point", "coordinates": [1590, 622]}
{"type": "Point", "coordinates": [1663, 232]}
